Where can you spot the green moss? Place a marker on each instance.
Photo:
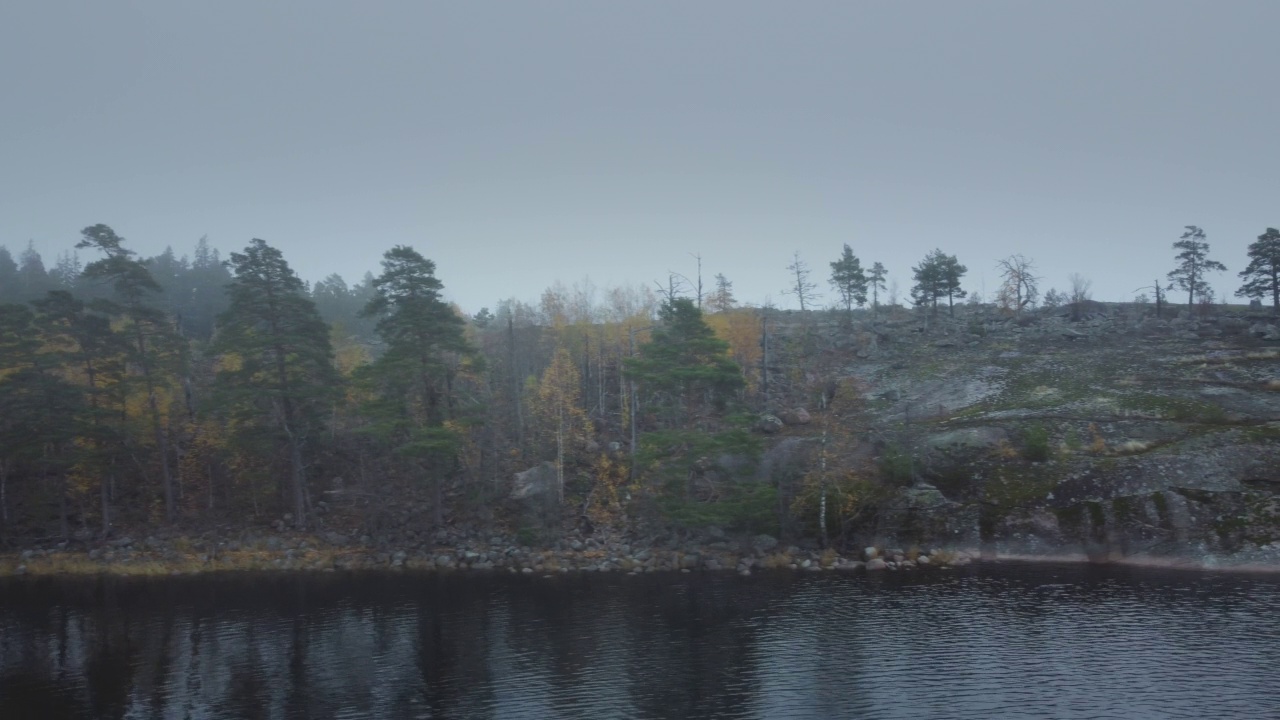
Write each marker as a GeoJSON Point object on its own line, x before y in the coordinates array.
{"type": "Point", "coordinates": [1173, 408]}
{"type": "Point", "coordinates": [1161, 504]}
{"type": "Point", "coordinates": [1124, 509]}
{"type": "Point", "coordinates": [1072, 440]}
{"type": "Point", "coordinates": [1097, 519]}
{"type": "Point", "coordinates": [1035, 443]}
{"type": "Point", "coordinates": [1070, 518]}
{"type": "Point", "coordinates": [896, 464]}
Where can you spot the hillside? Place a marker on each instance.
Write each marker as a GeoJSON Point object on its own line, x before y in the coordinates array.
{"type": "Point", "coordinates": [1115, 435]}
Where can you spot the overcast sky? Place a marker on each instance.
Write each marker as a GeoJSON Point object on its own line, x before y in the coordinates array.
{"type": "Point", "coordinates": [517, 143]}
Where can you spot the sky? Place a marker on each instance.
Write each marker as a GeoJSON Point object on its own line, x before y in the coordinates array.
{"type": "Point", "coordinates": [520, 143]}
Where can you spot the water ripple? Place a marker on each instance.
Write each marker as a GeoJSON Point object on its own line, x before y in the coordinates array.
{"type": "Point", "coordinates": [992, 642]}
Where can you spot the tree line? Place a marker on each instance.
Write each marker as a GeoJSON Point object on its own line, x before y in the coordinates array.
{"type": "Point", "coordinates": [171, 390]}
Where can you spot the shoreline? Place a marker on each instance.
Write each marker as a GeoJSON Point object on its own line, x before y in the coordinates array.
{"type": "Point", "coordinates": [155, 559]}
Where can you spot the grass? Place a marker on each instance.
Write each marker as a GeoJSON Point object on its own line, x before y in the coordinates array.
{"type": "Point", "coordinates": [141, 564]}
{"type": "Point", "coordinates": [1165, 407]}
{"type": "Point", "coordinates": [775, 561]}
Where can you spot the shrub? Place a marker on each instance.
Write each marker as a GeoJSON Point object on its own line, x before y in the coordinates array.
{"type": "Point", "coordinates": [1036, 444]}
{"type": "Point", "coordinates": [749, 507]}
{"type": "Point", "coordinates": [896, 464]}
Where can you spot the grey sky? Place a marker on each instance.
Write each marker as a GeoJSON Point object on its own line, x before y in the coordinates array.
{"type": "Point", "coordinates": [517, 143]}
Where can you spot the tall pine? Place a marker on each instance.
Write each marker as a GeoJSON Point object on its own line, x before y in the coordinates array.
{"type": "Point", "coordinates": [276, 372]}
{"type": "Point", "coordinates": [413, 380]}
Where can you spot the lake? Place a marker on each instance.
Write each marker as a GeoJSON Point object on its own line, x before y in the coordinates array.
{"type": "Point", "coordinates": [985, 641]}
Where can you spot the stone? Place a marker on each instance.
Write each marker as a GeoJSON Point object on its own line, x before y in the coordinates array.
{"type": "Point", "coordinates": [870, 553]}
{"type": "Point", "coordinates": [1265, 331]}
{"type": "Point", "coordinates": [538, 482]}
{"type": "Point", "coordinates": [764, 543]}
{"type": "Point", "coordinates": [795, 416]}
{"type": "Point", "coordinates": [923, 560]}
{"type": "Point", "coordinates": [769, 424]}
{"type": "Point", "coordinates": [876, 564]}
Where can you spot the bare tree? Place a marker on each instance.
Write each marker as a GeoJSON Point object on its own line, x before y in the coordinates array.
{"type": "Point", "coordinates": [1159, 291]}
{"type": "Point", "coordinates": [1081, 292]}
{"type": "Point", "coordinates": [675, 287]}
{"type": "Point", "coordinates": [804, 290]}
{"type": "Point", "coordinates": [1020, 286]}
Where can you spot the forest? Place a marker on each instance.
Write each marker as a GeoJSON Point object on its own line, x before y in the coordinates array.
{"type": "Point", "coordinates": [197, 391]}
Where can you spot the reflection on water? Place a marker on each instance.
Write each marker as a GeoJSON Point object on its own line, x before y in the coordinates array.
{"type": "Point", "coordinates": [1026, 641]}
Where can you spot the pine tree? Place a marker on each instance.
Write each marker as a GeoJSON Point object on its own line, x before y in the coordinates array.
{"type": "Point", "coordinates": [40, 412]}
{"type": "Point", "coordinates": [1194, 263]}
{"type": "Point", "coordinates": [154, 345]}
{"type": "Point", "coordinates": [414, 379]}
{"type": "Point", "coordinates": [277, 367]}
{"type": "Point", "coordinates": [8, 276]}
{"type": "Point", "coordinates": [686, 364]}
{"type": "Point", "coordinates": [875, 282]}
{"type": "Point", "coordinates": [96, 351]}
{"type": "Point", "coordinates": [849, 280]}
{"type": "Point", "coordinates": [1262, 276]}
{"type": "Point", "coordinates": [938, 276]}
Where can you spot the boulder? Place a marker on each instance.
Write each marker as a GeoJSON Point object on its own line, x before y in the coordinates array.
{"type": "Point", "coordinates": [1265, 331]}
{"type": "Point", "coordinates": [795, 416]}
{"type": "Point", "coordinates": [537, 482]}
{"type": "Point", "coordinates": [769, 424]}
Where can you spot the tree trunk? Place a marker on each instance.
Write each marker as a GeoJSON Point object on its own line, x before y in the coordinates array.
{"type": "Point", "coordinates": [162, 441]}
{"type": "Point", "coordinates": [822, 499]}
{"type": "Point", "coordinates": [560, 453]}
{"type": "Point", "coordinates": [4, 494]}
{"type": "Point", "coordinates": [106, 506]}
{"type": "Point", "coordinates": [299, 479]}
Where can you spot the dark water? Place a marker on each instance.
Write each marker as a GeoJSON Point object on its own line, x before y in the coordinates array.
{"type": "Point", "coordinates": [1023, 641]}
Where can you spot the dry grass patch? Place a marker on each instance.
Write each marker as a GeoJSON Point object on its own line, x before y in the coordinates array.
{"type": "Point", "coordinates": [776, 561]}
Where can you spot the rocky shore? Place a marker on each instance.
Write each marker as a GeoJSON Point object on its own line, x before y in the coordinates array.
{"type": "Point", "coordinates": [294, 552]}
